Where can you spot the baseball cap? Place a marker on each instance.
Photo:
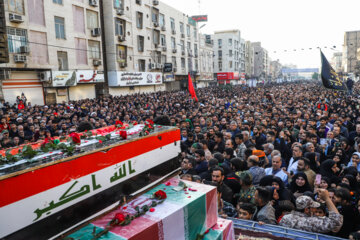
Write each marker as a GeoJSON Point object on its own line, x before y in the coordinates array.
{"type": "Point", "coordinates": [303, 202]}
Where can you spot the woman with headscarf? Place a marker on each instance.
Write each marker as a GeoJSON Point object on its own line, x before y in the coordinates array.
{"type": "Point", "coordinates": [284, 194]}
{"type": "Point", "coordinates": [351, 181]}
{"type": "Point", "coordinates": [314, 161]}
{"type": "Point", "coordinates": [355, 161]}
{"type": "Point", "coordinates": [299, 184]}
{"type": "Point", "coordinates": [329, 169]}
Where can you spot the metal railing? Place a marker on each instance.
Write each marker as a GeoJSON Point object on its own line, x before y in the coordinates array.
{"type": "Point", "coordinates": [279, 231]}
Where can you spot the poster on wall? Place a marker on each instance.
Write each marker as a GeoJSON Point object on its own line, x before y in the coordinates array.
{"type": "Point", "coordinates": [123, 79]}
{"type": "Point", "coordinates": [169, 77]}
{"type": "Point", "coordinates": [63, 78]}
{"type": "Point", "coordinates": [89, 76]}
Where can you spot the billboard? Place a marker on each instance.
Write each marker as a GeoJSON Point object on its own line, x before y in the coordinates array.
{"type": "Point", "coordinates": [123, 79]}
{"type": "Point", "coordinates": [63, 78]}
{"type": "Point", "coordinates": [89, 76]}
{"type": "Point", "coordinates": [200, 18]}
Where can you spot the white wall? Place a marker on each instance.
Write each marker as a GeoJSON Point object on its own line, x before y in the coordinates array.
{"type": "Point", "coordinates": [82, 91]}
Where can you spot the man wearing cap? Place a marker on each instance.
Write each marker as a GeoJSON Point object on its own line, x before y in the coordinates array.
{"type": "Point", "coordinates": [304, 220]}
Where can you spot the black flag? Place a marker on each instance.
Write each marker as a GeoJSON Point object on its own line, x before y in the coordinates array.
{"type": "Point", "coordinates": [329, 77]}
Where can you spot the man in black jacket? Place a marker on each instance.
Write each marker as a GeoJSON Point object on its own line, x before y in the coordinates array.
{"type": "Point", "coordinates": [218, 177]}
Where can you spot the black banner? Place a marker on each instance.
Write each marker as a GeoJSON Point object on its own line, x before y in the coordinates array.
{"type": "Point", "coordinates": [329, 77]}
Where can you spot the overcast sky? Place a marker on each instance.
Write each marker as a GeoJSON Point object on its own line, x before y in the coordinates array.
{"type": "Point", "coordinates": [281, 24]}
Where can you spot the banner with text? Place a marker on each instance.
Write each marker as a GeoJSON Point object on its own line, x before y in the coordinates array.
{"type": "Point", "coordinates": [123, 79]}
{"type": "Point", "coordinates": [89, 76]}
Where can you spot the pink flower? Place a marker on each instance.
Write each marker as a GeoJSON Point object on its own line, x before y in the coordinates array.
{"type": "Point", "coordinates": [100, 141]}
{"type": "Point", "coordinates": [167, 184]}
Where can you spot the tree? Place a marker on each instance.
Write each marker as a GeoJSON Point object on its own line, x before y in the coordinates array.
{"type": "Point", "coordinates": [315, 76]}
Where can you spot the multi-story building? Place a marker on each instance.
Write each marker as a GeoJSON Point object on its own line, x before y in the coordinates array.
{"type": "Point", "coordinates": [249, 60]}
{"type": "Point", "coordinates": [260, 61]}
{"type": "Point", "coordinates": [227, 52]}
{"type": "Point", "coordinates": [206, 61]}
{"type": "Point", "coordinates": [275, 70]}
{"type": "Point", "coordinates": [53, 51]}
{"type": "Point", "coordinates": [145, 37]}
{"type": "Point", "coordinates": [350, 47]}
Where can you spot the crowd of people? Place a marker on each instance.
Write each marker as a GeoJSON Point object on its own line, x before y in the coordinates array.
{"type": "Point", "coordinates": [280, 154]}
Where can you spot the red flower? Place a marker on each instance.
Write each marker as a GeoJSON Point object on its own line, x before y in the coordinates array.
{"type": "Point", "coordinates": [135, 123]}
{"type": "Point", "coordinates": [152, 209]}
{"type": "Point", "coordinates": [119, 217]}
{"type": "Point", "coordinates": [150, 121]}
{"type": "Point", "coordinates": [167, 184]}
{"type": "Point", "coordinates": [100, 141]}
{"type": "Point", "coordinates": [123, 134]}
{"type": "Point", "coordinates": [147, 132]}
{"type": "Point", "coordinates": [160, 195]}
{"type": "Point", "coordinates": [75, 137]}
{"type": "Point", "coordinates": [119, 123]}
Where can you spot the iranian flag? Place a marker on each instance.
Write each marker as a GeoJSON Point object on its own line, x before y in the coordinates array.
{"type": "Point", "coordinates": [191, 88]}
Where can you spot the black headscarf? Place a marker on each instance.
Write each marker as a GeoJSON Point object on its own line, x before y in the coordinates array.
{"type": "Point", "coordinates": [284, 194]}
{"type": "Point", "coordinates": [326, 171]}
{"type": "Point", "coordinates": [295, 188]}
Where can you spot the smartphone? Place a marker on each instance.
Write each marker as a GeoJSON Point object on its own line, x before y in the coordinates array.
{"type": "Point", "coordinates": [318, 179]}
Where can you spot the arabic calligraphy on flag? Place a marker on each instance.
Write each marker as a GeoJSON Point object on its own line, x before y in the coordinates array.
{"type": "Point", "coordinates": [329, 77]}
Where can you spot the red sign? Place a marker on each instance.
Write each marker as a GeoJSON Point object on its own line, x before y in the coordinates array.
{"type": "Point", "coordinates": [200, 18]}
{"type": "Point", "coordinates": [228, 76]}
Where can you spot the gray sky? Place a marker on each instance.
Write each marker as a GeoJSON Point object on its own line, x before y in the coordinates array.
{"type": "Point", "coordinates": [281, 24]}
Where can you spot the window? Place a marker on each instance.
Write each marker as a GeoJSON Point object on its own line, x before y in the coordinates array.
{"type": "Point", "coordinates": [16, 38]}
{"type": "Point", "coordinates": [230, 42]}
{"type": "Point", "coordinates": [163, 59]}
{"type": "Point", "coordinates": [155, 15]}
{"type": "Point", "coordinates": [163, 40]}
{"type": "Point", "coordinates": [119, 4]}
{"type": "Point", "coordinates": [172, 23]}
{"type": "Point", "coordinates": [189, 65]}
{"type": "Point", "coordinates": [139, 20]}
{"type": "Point", "coordinates": [140, 43]}
{"type": "Point", "coordinates": [141, 63]}
{"type": "Point", "coordinates": [188, 30]}
{"type": "Point", "coordinates": [162, 20]}
{"type": "Point", "coordinates": [63, 61]}
{"type": "Point", "coordinates": [220, 54]}
{"type": "Point", "coordinates": [195, 49]}
{"type": "Point", "coordinates": [94, 49]}
{"type": "Point", "coordinates": [81, 51]}
{"type": "Point", "coordinates": [220, 66]}
{"type": "Point", "coordinates": [156, 37]}
{"type": "Point", "coordinates": [182, 44]}
{"type": "Point", "coordinates": [183, 63]}
{"type": "Point", "coordinates": [16, 6]}
{"type": "Point", "coordinates": [121, 53]}
{"type": "Point", "coordinates": [60, 27]}
{"type": "Point", "coordinates": [58, 1]}
{"type": "Point", "coordinates": [173, 43]}
{"type": "Point", "coordinates": [92, 19]}
{"type": "Point", "coordinates": [119, 27]}
{"type": "Point", "coordinates": [230, 53]}
{"type": "Point", "coordinates": [182, 27]}
{"type": "Point", "coordinates": [230, 64]}
{"type": "Point", "coordinates": [188, 46]}
{"type": "Point", "coordinates": [219, 43]}
{"type": "Point", "coordinates": [173, 60]}
{"type": "Point", "coordinates": [195, 34]}
{"type": "Point", "coordinates": [196, 65]}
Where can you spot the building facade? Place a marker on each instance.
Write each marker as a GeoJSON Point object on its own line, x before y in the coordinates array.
{"type": "Point", "coordinates": [249, 60]}
{"type": "Point", "coordinates": [53, 49]}
{"type": "Point", "coordinates": [350, 47]}
{"type": "Point", "coordinates": [228, 56]}
{"type": "Point", "coordinates": [145, 38]}
{"type": "Point", "coordinates": [206, 61]}
{"type": "Point", "coordinates": [336, 61]}
{"type": "Point", "coordinates": [261, 62]}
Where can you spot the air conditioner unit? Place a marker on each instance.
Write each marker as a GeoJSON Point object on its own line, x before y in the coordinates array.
{"type": "Point", "coordinates": [156, 24]}
{"type": "Point", "coordinates": [24, 49]}
{"type": "Point", "coordinates": [183, 35]}
{"type": "Point", "coordinates": [182, 52]}
{"type": "Point", "coordinates": [122, 64]}
{"type": "Point", "coordinates": [138, 2]}
{"type": "Point", "coordinates": [174, 69]}
{"type": "Point", "coordinates": [158, 66]}
{"type": "Point", "coordinates": [96, 32]}
{"type": "Point", "coordinates": [120, 12]}
{"type": "Point", "coordinates": [45, 76]}
{"type": "Point", "coordinates": [121, 38]}
{"type": "Point", "coordinates": [19, 58]}
{"type": "Point", "coordinates": [93, 3]}
{"type": "Point", "coordinates": [173, 31]}
{"type": "Point", "coordinates": [15, 18]}
{"type": "Point", "coordinates": [155, 2]}
{"type": "Point", "coordinates": [164, 49]}
{"type": "Point", "coordinates": [96, 62]}
{"type": "Point", "coordinates": [163, 28]}
{"type": "Point", "coordinates": [174, 50]}
{"type": "Point", "coordinates": [151, 65]}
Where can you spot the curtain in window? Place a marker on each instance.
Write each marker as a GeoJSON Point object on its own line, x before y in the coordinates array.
{"type": "Point", "coordinates": [81, 51]}
{"type": "Point", "coordinates": [38, 47]}
{"type": "Point", "coordinates": [36, 12]}
{"type": "Point", "coordinates": [79, 22]}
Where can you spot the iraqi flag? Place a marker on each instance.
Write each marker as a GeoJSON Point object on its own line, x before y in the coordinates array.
{"type": "Point", "coordinates": [191, 88]}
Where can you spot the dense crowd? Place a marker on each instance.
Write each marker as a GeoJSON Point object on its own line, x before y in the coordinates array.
{"type": "Point", "coordinates": [283, 154]}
